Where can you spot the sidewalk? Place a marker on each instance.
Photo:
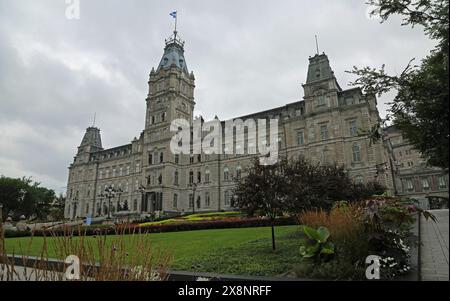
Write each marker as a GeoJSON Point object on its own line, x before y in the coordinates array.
{"type": "Point", "coordinates": [434, 250]}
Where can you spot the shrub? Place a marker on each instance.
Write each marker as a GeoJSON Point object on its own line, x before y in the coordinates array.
{"type": "Point", "coordinates": [378, 226]}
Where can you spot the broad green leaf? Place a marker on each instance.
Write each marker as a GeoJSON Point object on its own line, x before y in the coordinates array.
{"type": "Point", "coordinates": [323, 233]}
{"type": "Point", "coordinates": [326, 250]}
{"type": "Point", "coordinates": [311, 233]}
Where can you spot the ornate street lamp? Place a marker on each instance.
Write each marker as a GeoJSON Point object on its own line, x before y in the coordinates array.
{"type": "Point", "coordinates": [110, 192]}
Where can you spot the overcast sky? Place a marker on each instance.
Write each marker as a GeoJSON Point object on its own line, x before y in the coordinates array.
{"type": "Point", "coordinates": [247, 56]}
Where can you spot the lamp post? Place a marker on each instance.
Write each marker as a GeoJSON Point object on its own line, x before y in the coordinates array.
{"type": "Point", "coordinates": [110, 192]}
{"type": "Point", "coordinates": [1, 214]}
{"type": "Point", "coordinates": [142, 189]}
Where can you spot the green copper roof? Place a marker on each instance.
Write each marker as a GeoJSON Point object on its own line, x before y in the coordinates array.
{"type": "Point", "coordinates": [173, 55]}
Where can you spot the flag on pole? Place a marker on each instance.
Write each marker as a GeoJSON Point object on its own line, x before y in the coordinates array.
{"type": "Point", "coordinates": [174, 14]}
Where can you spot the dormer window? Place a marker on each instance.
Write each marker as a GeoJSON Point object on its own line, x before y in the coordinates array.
{"type": "Point", "coordinates": [320, 100]}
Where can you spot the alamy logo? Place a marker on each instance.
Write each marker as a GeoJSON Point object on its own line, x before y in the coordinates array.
{"type": "Point", "coordinates": [211, 138]}
{"type": "Point", "coordinates": [373, 270]}
{"type": "Point", "coordinates": [73, 270]}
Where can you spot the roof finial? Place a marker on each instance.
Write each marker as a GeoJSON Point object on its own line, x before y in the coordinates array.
{"type": "Point", "coordinates": [93, 123]}
{"type": "Point", "coordinates": [317, 45]}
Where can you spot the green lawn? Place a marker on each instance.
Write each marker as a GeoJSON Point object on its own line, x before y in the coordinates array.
{"type": "Point", "coordinates": [245, 251]}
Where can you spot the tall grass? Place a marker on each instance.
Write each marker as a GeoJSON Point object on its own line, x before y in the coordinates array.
{"type": "Point", "coordinates": [122, 257]}
{"type": "Point", "coordinates": [346, 225]}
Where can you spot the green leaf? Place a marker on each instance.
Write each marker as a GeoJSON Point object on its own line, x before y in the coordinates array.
{"type": "Point", "coordinates": [327, 251]}
{"type": "Point", "coordinates": [311, 233]}
{"type": "Point", "coordinates": [323, 234]}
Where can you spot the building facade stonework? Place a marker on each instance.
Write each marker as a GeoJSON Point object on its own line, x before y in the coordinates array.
{"type": "Point", "coordinates": [329, 125]}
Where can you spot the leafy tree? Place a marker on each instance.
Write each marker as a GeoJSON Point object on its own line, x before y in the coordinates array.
{"type": "Point", "coordinates": [25, 197]}
{"type": "Point", "coordinates": [263, 191]}
{"type": "Point", "coordinates": [294, 186]}
{"type": "Point", "coordinates": [421, 107]}
{"type": "Point", "coordinates": [57, 208]}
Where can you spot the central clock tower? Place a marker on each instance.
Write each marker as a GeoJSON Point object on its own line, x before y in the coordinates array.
{"type": "Point", "coordinates": [170, 97]}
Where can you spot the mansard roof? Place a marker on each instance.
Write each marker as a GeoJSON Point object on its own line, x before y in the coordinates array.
{"type": "Point", "coordinates": [174, 54]}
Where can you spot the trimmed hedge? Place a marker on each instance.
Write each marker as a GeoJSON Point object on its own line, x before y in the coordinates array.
{"type": "Point", "coordinates": [175, 227]}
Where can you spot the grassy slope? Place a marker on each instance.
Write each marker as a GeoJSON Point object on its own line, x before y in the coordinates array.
{"type": "Point", "coordinates": [245, 251]}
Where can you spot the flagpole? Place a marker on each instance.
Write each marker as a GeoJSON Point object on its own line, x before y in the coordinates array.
{"type": "Point", "coordinates": [175, 31]}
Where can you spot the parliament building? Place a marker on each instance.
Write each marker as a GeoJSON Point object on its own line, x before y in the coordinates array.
{"type": "Point", "coordinates": [329, 125]}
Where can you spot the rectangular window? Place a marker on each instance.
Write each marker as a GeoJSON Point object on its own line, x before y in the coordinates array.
{"type": "Point", "coordinates": [175, 201]}
{"type": "Point", "coordinates": [324, 132]}
{"type": "Point", "coordinates": [409, 185]}
{"type": "Point", "coordinates": [425, 184]}
{"type": "Point", "coordinates": [300, 137]}
{"type": "Point", "coordinates": [191, 177]}
{"type": "Point", "coordinates": [441, 182]}
{"type": "Point", "coordinates": [227, 198]}
{"type": "Point", "coordinates": [207, 200]}
{"type": "Point", "coordinates": [353, 128]}
{"type": "Point", "coordinates": [191, 200]}
{"type": "Point", "coordinates": [356, 152]}
{"type": "Point", "coordinates": [320, 100]}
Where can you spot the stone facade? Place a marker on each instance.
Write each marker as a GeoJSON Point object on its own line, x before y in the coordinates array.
{"type": "Point", "coordinates": [329, 125]}
{"type": "Point", "coordinates": [413, 178]}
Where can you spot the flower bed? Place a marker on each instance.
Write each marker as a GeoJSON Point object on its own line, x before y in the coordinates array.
{"type": "Point", "coordinates": [209, 216]}
{"type": "Point", "coordinates": [159, 228]}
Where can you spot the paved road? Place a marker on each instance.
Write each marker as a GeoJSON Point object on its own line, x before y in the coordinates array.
{"type": "Point", "coordinates": [434, 257]}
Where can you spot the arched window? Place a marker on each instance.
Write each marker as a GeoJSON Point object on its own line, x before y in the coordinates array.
{"type": "Point", "coordinates": [199, 177]}
{"type": "Point", "coordinates": [356, 152]}
{"type": "Point", "coordinates": [161, 157]}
